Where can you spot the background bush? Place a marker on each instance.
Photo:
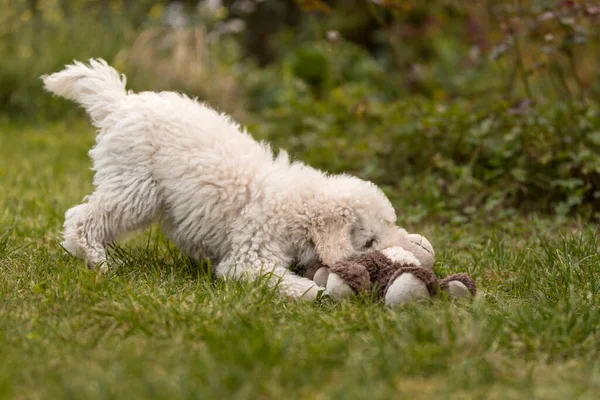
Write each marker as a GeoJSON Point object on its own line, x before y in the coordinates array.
{"type": "Point", "coordinates": [456, 109]}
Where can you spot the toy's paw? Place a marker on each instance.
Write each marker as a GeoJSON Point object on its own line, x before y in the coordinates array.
{"type": "Point", "coordinates": [407, 288]}
{"type": "Point", "coordinates": [346, 278]}
{"type": "Point", "coordinates": [321, 276]}
{"type": "Point", "coordinates": [410, 284]}
{"type": "Point", "coordinates": [337, 288]}
{"type": "Point", "coordinates": [459, 286]}
{"type": "Point", "coordinates": [421, 248]}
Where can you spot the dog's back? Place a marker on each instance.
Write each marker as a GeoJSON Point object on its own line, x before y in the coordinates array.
{"type": "Point", "coordinates": [161, 155]}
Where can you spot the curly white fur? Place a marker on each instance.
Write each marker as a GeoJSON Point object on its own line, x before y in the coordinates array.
{"type": "Point", "coordinates": [216, 192]}
{"type": "Point", "coordinates": [400, 255]}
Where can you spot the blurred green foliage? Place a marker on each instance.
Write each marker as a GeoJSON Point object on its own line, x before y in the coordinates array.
{"type": "Point", "coordinates": [486, 104]}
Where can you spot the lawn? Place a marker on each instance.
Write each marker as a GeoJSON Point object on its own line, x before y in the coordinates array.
{"type": "Point", "coordinates": [158, 326]}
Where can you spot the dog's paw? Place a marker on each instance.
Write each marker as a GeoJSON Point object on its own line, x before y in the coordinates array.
{"type": "Point", "coordinates": [313, 293]}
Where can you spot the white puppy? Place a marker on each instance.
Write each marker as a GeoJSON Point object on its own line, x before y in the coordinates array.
{"type": "Point", "coordinates": [216, 192]}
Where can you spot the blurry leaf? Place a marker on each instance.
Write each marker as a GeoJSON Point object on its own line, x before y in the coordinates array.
{"type": "Point", "coordinates": [594, 137]}
{"type": "Point", "coordinates": [157, 10]}
{"type": "Point", "coordinates": [313, 5]}
{"type": "Point", "coordinates": [310, 65]}
{"type": "Point", "coordinates": [592, 10]}
{"type": "Point", "coordinates": [548, 15]}
{"type": "Point", "coordinates": [315, 123]}
{"type": "Point", "coordinates": [522, 109]}
{"type": "Point", "coordinates": [570, 183]}
{"type": "Point", "coordinates": [567, 21]}
{"type": "Point", "coordinates": [519, 174]}
{"type": "Point", "coordinates": [498, 51]}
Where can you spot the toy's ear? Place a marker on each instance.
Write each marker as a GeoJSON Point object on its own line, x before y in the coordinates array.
{"type": "Point", "coordinates": [332, 239]}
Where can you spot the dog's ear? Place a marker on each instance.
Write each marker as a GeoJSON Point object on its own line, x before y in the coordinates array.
{"type": "Point", "coordinates": [332, 238]}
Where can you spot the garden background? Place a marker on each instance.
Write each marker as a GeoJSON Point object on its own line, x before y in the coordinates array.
{"type": "Point", "coordinates": [479, 119]}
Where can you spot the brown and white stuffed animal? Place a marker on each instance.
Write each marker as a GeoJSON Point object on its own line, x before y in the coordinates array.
{"type": "Point", "coordinates": [399, 274]}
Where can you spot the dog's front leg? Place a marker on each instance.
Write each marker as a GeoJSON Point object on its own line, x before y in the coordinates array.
{"type": "Point", "coordinates": [250, 267]}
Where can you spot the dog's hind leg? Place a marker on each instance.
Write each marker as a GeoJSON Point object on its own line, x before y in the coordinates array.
{"type": "Point", "coordinates": [128, 205]}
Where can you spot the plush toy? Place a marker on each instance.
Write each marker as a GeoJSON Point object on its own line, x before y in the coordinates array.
{"type": "Point", "coordinates": [399, 274]}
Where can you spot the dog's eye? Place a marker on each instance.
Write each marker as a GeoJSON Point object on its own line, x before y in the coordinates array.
{"type": "Point", "coordinates": [370, 243]}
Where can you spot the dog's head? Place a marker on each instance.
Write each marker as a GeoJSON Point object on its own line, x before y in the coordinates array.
{"type": "Point", "coordinates": [351, 217]}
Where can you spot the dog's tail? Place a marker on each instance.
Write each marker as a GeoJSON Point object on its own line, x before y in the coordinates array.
{"type": "Point", "coordinates": [97, 87]}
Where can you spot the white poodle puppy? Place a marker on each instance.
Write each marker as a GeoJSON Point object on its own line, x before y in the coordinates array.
{"type": "Point", "coordinates": [216, 192]}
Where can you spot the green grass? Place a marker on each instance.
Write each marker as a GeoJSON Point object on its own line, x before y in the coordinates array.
{"type": "Point", "coordinates": [157, 326]}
